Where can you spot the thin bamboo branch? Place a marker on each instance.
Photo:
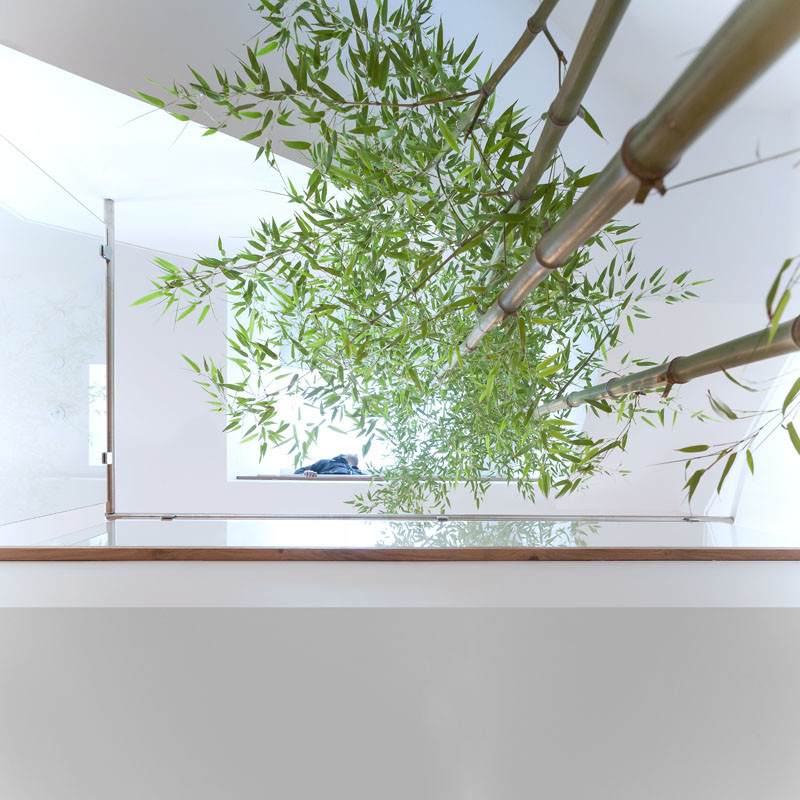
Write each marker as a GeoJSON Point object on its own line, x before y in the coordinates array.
{"type": "Point", "coordinates": [735, 353]}
{"type": "Point", "coordinates": [536, 24]}
{"type": "Point", "coordinates": [282, 95]}
{"type": "Point", "coordinates": [752, 38]}
{"type": "Point", "coordinates": [737, 168]}
{"type": "Point", "coordinates": [562, 59]}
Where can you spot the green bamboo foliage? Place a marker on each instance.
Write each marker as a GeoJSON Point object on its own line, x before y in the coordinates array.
{"type": "Point", "coordinates": [354, 303]}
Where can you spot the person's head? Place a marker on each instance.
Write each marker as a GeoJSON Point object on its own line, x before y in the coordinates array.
{"type": "Point", "coordinates": [351, 459]}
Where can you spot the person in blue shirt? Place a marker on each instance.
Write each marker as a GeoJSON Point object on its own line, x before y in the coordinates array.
{"type": "Point", "coordinates": [343, 464]}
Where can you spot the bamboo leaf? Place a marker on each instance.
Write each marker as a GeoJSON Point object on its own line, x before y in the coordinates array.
{"type": "Point", "coordinates": [585, 180]}
{"type": "Point", "coordinates": [738, 383]}
{"type": "Point", "coordinates": [589, 120]}
{"type": "Point", "coordinates": [448, 134]}
{"type": "Point", "coordinates": [693, 448]}
{"type": "Point", "coordinates": [147, 298]}
{"type": "Point", "coordinates": [793, 392]}
{"type": "Point", "coordinates": [297, 145]}
{"type": "Point", "coordinates": [552, 369]}
{"type": "Point", "coordinates": [721, 408]}
{"type": "Point", "coordinates": [154, 101]}
{"type": "Point", "coordinates": [267, 48]}
{"type": "Point", "coordinates": [793, 436]}
{"type": "Point", "coordinates": [776, 317]}
{"type": "Point", "coordinates": [191, 363]}
{"type": "Point", "coordinates": [750, 463]}
{"type": "Point", "coordinates": [187, 311]}
{"type": "Point", "coordinates": [726, 470]}
{"type": "Point", "coordinates": [331, 92]}
{"type": "Point", "coordinates": [693, 482]}
{"type": "Point", "coordinates": [774, 288]}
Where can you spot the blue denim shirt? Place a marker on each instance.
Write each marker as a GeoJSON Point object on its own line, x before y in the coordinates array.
{"type": "Point", "coordinates": [331, 466]}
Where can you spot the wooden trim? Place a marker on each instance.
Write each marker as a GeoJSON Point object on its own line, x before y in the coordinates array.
{"type": "Point", "coordinates": [100, 553]}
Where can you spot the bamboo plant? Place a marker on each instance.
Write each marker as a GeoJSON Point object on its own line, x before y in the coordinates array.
{"type": "Point", "coordinates": [355, 302]}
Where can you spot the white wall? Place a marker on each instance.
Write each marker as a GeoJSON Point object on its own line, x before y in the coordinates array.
{"type": "Point", "coordinates": [769, 498]}
{"type": "Point", "coordinates": [363, 703]}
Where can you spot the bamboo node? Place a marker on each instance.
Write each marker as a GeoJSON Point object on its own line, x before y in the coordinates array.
{"type": "Point", "coordinates": [534, 27]}
{"type": "Point", "coordinates": [515, 193]}
{"type": "Point", "coordinates": [670, 377]}
{"type": "Point", "coordinates": [648, 179]}
{"type": "Point", "coordinates": [559, 123]}
{"type": "Point", "coordinates": [508, 312]}
{"type": "Point", "coordinates": [670, 373]}
{"type": "Point", "coordinates": [796, 331]}
{"type": "Point", "coordinates": [542, 262]}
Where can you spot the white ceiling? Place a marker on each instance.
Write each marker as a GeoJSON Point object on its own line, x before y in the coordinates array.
{"type": "Point", "coordinates": [123, 45]}
{"type": "Point", "coordinates": [175, 190]}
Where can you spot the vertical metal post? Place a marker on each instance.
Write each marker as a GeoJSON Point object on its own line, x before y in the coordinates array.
{"type": "Point", "coordinates": [107, 251]}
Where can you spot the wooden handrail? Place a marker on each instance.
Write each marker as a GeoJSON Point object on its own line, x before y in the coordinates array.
{"type": "Point", "coordinates": [408, 554]}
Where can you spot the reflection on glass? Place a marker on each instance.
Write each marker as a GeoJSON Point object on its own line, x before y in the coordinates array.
{"type": "Point", "coordinates": [423, 533]}
{"type": "Point", "coordinates": [321, 534]}
{"type": "Point", "coordinates": [486, 533]}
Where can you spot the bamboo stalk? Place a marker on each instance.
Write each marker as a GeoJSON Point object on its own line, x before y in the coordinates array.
{"type": "Point", "coordinates": [735, 353]}
{"type": "Point", "coordinates": [595, 38]}
{"type": "Point", "coordinates": [597, 34]}
{"type": "Point", "coordinates": [534, 27]}
{"type": "Point", "coordinates": [752, 38]}
{"type": "Point", "coordinates": [594, 41]}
